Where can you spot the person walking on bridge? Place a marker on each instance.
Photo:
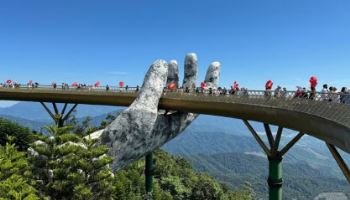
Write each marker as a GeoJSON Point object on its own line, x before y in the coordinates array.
{"type": "Point", "coordinates": [298, 93]}
{"type": "Point", "coordinates": [312, 93]}
{"type": "Point", "coordinates": [284, 93]}
{"type": "Point", "coordinates": [334, 95]}
{"type": "Point", "coordinates": [203, 85]}
{"type": "Point", "coordinates": [277, 92]}
{"type": "Point", "coordinates": [234, 88]}
{"type": "Point", "coordinates": [193, 87]}
{"type": "Point", "coordinates": [304, 93]}
{"type": "Point", "coordinates": [268, 87]}
{"type": "Point", "coordinates": [313, 84]}
{"type": "Point", "coordinates": [324, 93]}
{"type": "Point", "coordinates": [344, 95]}
{"type": "Point", "coordinates": [224, 91]}
{"type": "Point", "coordinates": [210, 91]}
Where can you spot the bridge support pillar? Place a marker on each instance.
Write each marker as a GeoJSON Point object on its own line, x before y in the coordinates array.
{"type": "Point", "coordinates": [275, 157]}
{"type": "Point", "coordinates": [59, 117]}
{"type": "Point", "coordinates": [149, 175]}
{"type": "Point", "coordinates": [340, 161]}
{"type": "Point", "coordinates": [275, 178]}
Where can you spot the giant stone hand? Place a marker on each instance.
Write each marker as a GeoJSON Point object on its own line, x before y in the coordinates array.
{"type": "Point", "coordinates": [141, 128]}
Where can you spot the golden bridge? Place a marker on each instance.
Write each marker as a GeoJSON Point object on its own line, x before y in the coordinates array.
{"type": "Point", "coordinates": [325, 120]}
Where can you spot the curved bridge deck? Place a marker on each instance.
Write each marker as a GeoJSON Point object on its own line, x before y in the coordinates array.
{"type": "Point", "coordinates": [325, 120]}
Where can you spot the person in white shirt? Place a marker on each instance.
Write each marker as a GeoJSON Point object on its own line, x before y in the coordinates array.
{"type": "Point", "coordinates": [324, 93]}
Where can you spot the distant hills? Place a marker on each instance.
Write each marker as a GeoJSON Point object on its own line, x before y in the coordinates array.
{"type": "Point", "coordinates": [301, 181]}
{"type": "Point", "coordinates": [34, 116]}
{"type": "Point", "coordinates": [34, 111]}
{"type": "Point", "coordinates": [224, 148]}
{"type": "Point", "coordinates": [308, 150]}
{"type": "Point", "coordinates": [309, 169]}
{"type": "Point", "coordinates": [34, 125]}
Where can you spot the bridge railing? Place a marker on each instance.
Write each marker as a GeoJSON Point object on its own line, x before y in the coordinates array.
{"type": "Point", "coordinates": [72, 88]}
{"type": "Point", "coordinates": [333, 106]}
{"type": "Point", "coordinates": [252, 94]}
{"type": "Point", "coordinates": [319, 106]}
{"type": "Point", "coordinates": [263, 94]}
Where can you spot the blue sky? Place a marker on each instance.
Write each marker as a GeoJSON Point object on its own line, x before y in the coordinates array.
{"type": "Point", "coordinates": [286, 41]}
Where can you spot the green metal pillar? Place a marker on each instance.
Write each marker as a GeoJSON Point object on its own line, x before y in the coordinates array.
{"type": "Point", "coordinates": [59, 117]}
{"type": "Point", "coordinates": [275, 178]}
{"type": "Point", "coordinates": [149, 172]}
{"type": "Point", "coordinates": [59, 121]}
{"type": "Point", "coordinates": [275, 157]}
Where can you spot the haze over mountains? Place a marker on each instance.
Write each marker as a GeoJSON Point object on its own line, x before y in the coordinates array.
{"type": "Point", "coordinates": [224, 148]}
{"type": "Point", "coordinates": [35, 111]}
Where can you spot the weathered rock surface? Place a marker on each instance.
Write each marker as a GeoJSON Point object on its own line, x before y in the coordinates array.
{"type": "Point", "coordinates": [213, 75]}
{"type": "Point", "coordinates": [140, 128]}
{"type": "Point", "coordinates": [130, 135]}
{"type": "Point", "coordinates": [173, 72]}
{"type": "Point", "coordinates": [191, 67]}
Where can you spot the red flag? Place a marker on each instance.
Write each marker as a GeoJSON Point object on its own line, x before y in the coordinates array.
{"type": "Point", "coordinates": [268, 85]}
{"type": "Point", "coordinates": [75, 84]}
{"type": "Point", "coordinates": [313, 81]}
{"type": "Point", "coordinates": [121, 84]}
{"type": "Point", "coordinates": [97, 84]}
{"type": "Point", "coordinates": [203, 85]}
{"type": "Point", "coordinates": [171, 86]}
{"type": "Point", "coordinates": [235, 85]}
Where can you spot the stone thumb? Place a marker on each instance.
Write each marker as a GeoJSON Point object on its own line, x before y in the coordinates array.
{"type": "Point", "coordinates": [152, 87]}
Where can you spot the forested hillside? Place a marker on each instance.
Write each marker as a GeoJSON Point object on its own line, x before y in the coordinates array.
{"type": "Point", "coordinates": [65, 165]}
{"type": "Point", "coordinates": [308, 167]}
{"type": "Point", "coordinates": [300, 180]}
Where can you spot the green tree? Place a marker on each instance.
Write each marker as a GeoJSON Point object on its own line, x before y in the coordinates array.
{"type": "Point", "coordinates": [174, 179]}
{"type": "Point", "coordinates": [72, 120]}
{"type": "Point", "coordinates": [109, 119]}
{"type": "Point", "coordinates": [64, 165]}
{"type": "Point", "coordinates": [71, 167]}
{"type": "Point", "coordinates": [21, 137]}
{"type": "Point", "coordinates": [84, 127]}
{"type": "Point", "coordinates": [15, 173]}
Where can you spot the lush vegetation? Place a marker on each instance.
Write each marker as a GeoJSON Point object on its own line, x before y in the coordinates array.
{"type": "Point", "coordinates": [70, 166]}
{"type": "Point", "coordinates": [300, 180]}
{"type": "Point", "coordinates": [15, 175]}
{"type": "Point", "coordinates": [20, 136]}
{"type": "Point", "coordinates": [66, 165]}
{"type": "Point", "coordinates": [174, 179]}
{"type": "Point", "coordinates": [308, 169]}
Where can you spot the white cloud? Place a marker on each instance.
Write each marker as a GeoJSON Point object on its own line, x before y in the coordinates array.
{"type": "Point", "coordinates": [4, 104]}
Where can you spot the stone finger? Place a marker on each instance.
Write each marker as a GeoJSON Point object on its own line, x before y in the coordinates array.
{"type": "Point", "coordinates": [213, 75]}
{"type": "Point", "coordinates": [152, 87]}
{"type": "Point", "coordinates": [173, 73]}
{"type": "Point", "coordinates": [191, 67]}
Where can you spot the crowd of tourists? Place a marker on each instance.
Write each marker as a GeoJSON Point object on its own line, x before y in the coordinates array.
{"type": "Point", "coordinates": [331, 94]}
{"type": "Point", "coordinates": [326, 94]}
{"type": "Point", "coordinates": [10, 85]}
